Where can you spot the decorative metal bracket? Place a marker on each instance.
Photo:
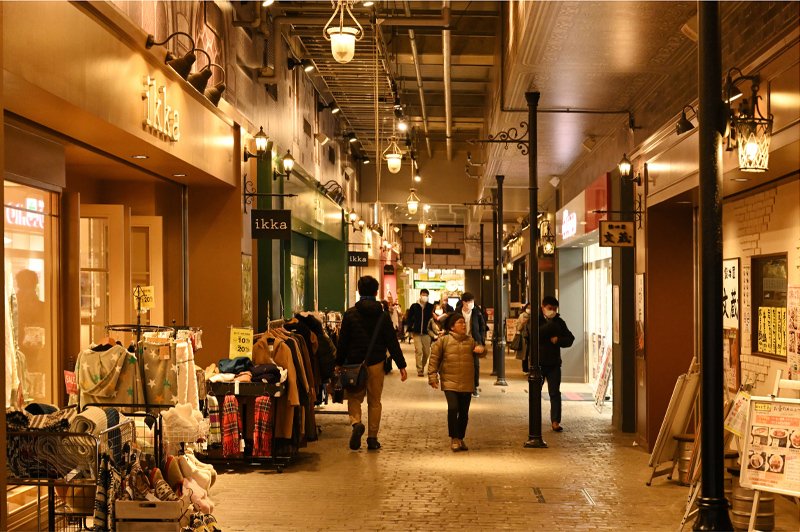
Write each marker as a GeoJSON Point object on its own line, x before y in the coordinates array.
{"type": "Point", "coordinates": [248, 193]}
{"type": "Point", "coordinates": [509, 136]}
{"type": "Point", "coordinates": [637, 213]}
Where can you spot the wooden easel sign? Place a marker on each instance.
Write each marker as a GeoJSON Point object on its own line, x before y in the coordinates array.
{"type": "Point", "coordinates": [771, 454]}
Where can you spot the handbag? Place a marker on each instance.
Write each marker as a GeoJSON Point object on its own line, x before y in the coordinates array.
{"type": "Point", "coordinates": [516, 343]}
{"type": "Point", "coordinates": [353, 377]}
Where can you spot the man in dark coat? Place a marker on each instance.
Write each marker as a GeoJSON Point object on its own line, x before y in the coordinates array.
{"type": "Point", "coordinates": [553, 335]}
{"type": "Point", "coordinates": [358, 325]}
{"type": "Point", "coordinates": [419, 314]}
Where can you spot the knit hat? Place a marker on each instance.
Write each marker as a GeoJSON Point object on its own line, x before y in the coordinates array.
{"type": "Point", "coordinates": [451, 320]}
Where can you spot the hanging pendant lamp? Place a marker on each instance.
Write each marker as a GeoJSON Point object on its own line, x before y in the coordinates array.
{"type": "Point", "coordinates": [343, 38]}
{"type": "Point", "coordinates": [412, 202]}
{"type": "Point", "coordinates": [393, 155]}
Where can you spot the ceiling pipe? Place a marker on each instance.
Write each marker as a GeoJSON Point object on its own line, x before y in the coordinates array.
{"type": "Point", "coordinates": [419, 22]}
{"type": "Point", "coordinates": [415, 58]}
{"type": "Point", "coordinates": [448, 97]}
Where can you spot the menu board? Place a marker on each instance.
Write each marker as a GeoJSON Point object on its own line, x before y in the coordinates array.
{"type": "Point", "coordinates": [771, 454]}
{"type": "Point", "coordinates": [772, 326]}
{"type": "Point", "coordinates": [793, 331]}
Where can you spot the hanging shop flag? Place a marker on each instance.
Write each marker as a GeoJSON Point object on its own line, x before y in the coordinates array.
{"type": "Point", "coordinates": [271, 225]}
{"type": "Point", "coordinates": [793, 331]}
{"type": "Point", "coordinates": [241, 343]}
{"type": "Point", "coordinates": [616, 234]}
{"type": "Point", "coordinates": [357, 258]}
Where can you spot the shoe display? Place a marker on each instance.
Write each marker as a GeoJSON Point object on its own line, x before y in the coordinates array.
{"type": "Point", "coordinates": [373, 444]}
{"type": "Point", "coordinates": [455, 445]}
{"type": "Point", "coordinates": [463, 445]}
{"type": "Point", "coordinates": [355, 438]}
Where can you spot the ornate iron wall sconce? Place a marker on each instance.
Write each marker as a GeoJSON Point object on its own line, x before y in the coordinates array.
{"type": "Point", "coordinates": [262, 146]}
{"type": "Point", "coordinates": [547, 240]}
{"type": "Point", "coordinates": [748, 130]}
{"type": "Point", "coordinates": [288, 164]}
{"type": "Point", "coordinates": [626, 171]}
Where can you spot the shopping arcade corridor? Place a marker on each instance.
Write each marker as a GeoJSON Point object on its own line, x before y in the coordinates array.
{"type": "Point", "coordinates": [591, 477]}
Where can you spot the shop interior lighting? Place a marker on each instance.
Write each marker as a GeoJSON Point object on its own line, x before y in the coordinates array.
{"type": "Point", "coordinates": [683, 125]}
{"type": "Point", "coordinates": [393, 155]}
{"type": "Point", "coordinates": [421, 227]}
{"type": "Point", "coordinates": [181, 65]}
{"type": "Point", "coordinates": [749, 131]}
{"type": "Point", "coordinates": [428, 239]}
{"type": "Point", "coordinates": [267, 3]}
{"type": "Point", "coordinates": [417, 178]}
{"type": "Point", "coordinates": [140, 156]}
{"type": "Point", "coordinates": [343, 37]}
{"type": "Point", "coordinates": [412, 202]}
{"type": "Point", "coordinates": [426, 207]}
{"type": "Point", "coordinates": [307, 64]}
{"type": "Point", "coordinates": [261, 145]}
{"type": "Point", "coordinates": [402, 125]}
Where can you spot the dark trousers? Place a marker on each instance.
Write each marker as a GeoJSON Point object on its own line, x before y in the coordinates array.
{"type": "Point", "coordinates": [552, 374]}
{"type": "Point", "coordinates": [457, 412]}
{"type": "Point", "coordinates": [477, 362]}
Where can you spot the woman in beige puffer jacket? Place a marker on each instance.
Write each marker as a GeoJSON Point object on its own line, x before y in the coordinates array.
{"type": "Point", "coordinates": [452, 363]}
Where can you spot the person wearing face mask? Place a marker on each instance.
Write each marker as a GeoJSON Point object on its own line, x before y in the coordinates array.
{"type": "Point", "coordinates": [476, 329]}
{"type": "Point", "coordinates": [435, 325]}
{"type": "Point", "coordinates": [553, 335]}
{"type": "Point", "coordinates": [419, 314]}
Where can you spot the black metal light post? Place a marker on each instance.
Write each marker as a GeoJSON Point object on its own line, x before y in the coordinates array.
{"type": "Point", "coordinates": [480, 289]}
{"type": "Point", "coordinates": [535, 378]}
{"type": "Point", "coordinates": [499, 313]}
{"type": "Point", "coordinates": [497, 282]}
{"type": "Point", "coordinates": [712, 506]}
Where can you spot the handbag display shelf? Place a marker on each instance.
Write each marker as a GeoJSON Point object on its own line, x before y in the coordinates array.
{"type": "Point", "coordinates": [246, 390]}
{"type": "Point", "coordinates": [64, 467]}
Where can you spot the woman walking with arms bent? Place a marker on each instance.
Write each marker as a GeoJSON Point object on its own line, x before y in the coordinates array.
{"type": "Point", "coordinates": [452, 365]}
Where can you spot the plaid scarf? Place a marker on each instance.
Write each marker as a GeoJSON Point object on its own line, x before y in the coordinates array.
{"type": "Point", "coordinates": [231, 423]}
{"type": "Point", "coordinates": [262, 431]}
{"type": "Point", "coordinates": [214, 432]}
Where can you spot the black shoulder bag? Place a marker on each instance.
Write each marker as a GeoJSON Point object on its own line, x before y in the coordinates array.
{"type": "Point", "coordinates": [354, 376]}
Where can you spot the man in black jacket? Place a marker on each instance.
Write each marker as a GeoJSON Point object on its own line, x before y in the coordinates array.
{"type": "Point", "coordinates": [553, 335]}
{"type": "Point", "coordinates": [419, 314]}
{"type": "Point", "coordinates": [358, 325]}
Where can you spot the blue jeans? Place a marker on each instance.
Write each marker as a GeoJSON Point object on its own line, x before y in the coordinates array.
{"type": "Point", "coordinates": [552, 374]}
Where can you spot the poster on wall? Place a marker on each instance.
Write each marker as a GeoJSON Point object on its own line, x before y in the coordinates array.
{"type": "Point", "coordinates": [793, 331]}
{"type": "Point", "coordinates": [745, 311]}
{"type": "Point", "coordinates": [731, 359]}
{"type": "Point", "coordinates": [771, 454]}
{"type": "Point", "coordinates": [639, 332]}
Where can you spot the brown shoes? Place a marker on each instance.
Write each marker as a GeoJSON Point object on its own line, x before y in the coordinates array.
{"type": "Point", "coordinates": [463, 445]}
{"type": "Point", "coordinates": [455, 445]}
{"type": "Point", "coordinates": [556, 426]}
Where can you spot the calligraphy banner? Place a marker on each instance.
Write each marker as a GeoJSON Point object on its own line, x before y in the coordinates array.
{"type": "Point", "coordinates": [731, 294]}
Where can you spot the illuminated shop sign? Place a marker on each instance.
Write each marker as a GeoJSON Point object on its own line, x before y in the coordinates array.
{"type": "Point", "coordinates": [27, 215]}
{"type": "Point", "coordinates": [160, 118]}
{"type": "Point", "coordinates": [569, 224]}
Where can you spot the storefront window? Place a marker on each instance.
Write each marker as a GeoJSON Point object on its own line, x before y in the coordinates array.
{"type": "Point", "coordinates": [599, 307]}
{"type": "Point", "coordinates": [769, 291]}
{"type": "Point", "coordinates": [30, 255]}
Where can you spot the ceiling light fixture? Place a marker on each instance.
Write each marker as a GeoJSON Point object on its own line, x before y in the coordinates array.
{"type": "Point", "coordinates": [307, 64]}
{"type": "Point", "coordinates": [412, 202]}
{"type": "Point", "coordinates": [322, 138]}
{"type": "Point", "coordinates": [402, 125]}
{"type": "Point", "coordinates": [351, 137]}
{"type": "Point", "coordinates": [343, 38]}
{"type": "Point", "coordinates": [138, 156]}
{"type": "Point", "coordinates": [428, 239]}
{"type": "Point", "coordinates": [683, 125]}
{"type": "Point", "coordinates": [393, 155]}
{"type": "Point", "coordinates": [267, 3]}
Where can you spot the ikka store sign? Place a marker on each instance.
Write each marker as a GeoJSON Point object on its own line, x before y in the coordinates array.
{"type": "Point", "coordinates": [271, 225]}
{"type": "Point", "coordinates": [160, 117]}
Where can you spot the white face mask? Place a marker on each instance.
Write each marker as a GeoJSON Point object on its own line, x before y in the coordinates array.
{"type": "Point", "coordinates": [549, 314]}
{"type": "Point", "coordinates": [423, 299]}
{"type": "Point", "coordinates": [438, 312]}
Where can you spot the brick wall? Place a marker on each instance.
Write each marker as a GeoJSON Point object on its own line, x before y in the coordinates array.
{"type": "Point", "coordinates": [763, 223]}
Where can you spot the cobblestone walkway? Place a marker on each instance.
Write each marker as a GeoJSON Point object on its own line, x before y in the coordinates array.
{"type": "Point", "coordinates": [590, 478]}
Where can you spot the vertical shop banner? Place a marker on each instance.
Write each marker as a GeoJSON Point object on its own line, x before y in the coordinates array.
{"type": "Point", "coordinates": [639, 333]}
{"type": "Point", "coordinates": [247, 290]}
{"type": "Point", "coordinates": [793, 331]}
{"type": "Point", "coordinates": [771, 455]}
{"type": "Point", "coordinates": [731, 294]}
{"type": "Point", "coordinates": [615, 314]}
{"type": "Point", "coordinates": [745, 313]}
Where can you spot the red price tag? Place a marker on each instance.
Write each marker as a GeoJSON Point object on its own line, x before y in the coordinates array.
{"type": "Point", "coordinates": [71, 381]}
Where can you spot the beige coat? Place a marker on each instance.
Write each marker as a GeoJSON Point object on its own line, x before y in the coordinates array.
{"type": "Point", "coordinates": [451, 362]}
